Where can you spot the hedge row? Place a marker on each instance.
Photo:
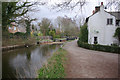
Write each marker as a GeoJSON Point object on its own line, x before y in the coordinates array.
{"type": "Point", "coordinates": [16, 35]}
{"type": "Point", "coordinates": [105, 48]}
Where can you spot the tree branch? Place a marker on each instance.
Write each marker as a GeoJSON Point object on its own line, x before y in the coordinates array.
{"type": "Point", "coordinates": [69, 5]}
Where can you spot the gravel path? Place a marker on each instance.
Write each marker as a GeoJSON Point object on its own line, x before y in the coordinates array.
{"type": "Point", "coordinates": [83, 63]}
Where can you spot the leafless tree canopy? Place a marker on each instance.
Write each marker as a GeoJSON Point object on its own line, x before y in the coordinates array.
{"type": "Point", "coordinates": [113, 3]}
{"type": "Point", "coordinates": [69, 4]}
{"type": "Point", "coordinates": [67, 26]}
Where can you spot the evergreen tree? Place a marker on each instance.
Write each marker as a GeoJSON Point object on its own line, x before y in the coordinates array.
{"type": "Point", "coordinates": [117, 34]}
{"type": "Point", "coordinates": [83, 33]}
{"type": "Point", "coordinates": [11, 10]}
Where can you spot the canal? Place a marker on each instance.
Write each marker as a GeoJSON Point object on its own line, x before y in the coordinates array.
{"type": "Point", "coordinates": [25, 62]}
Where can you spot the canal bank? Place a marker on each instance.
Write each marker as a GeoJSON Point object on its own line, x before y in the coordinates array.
{"type": "Point", "coordinates": [6, 48]}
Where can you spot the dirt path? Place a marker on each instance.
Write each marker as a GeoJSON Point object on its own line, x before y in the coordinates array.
{"type": "Point", "coordinates": [83, 63]}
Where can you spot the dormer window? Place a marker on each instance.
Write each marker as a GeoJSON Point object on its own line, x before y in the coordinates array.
{"type": "Point", "coordinates": [109, 21]}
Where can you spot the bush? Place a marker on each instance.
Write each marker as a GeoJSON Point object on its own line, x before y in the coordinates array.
{"type": "Point", "coordinates": [83, 33]}
{"type": "Point", "coordinates": [52, 33]}
{"type": "Point", "coordinates": [57, 36]}
{"type": "Point", "coordinates": [35, 34]}
{"type": "Point", "coordinates": [105, 48]}
{"type": "Point", "coordinates": [117, 33]}
{"type": "Point", "coordinates": [14, 35]}
{"type": "Point", "coordinates": [19, 34]}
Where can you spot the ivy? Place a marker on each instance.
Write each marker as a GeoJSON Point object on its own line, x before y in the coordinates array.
{"type": "Point", "coordinates": [117, 33]}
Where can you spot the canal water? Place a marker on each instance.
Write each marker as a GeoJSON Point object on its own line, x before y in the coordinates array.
{"type": "Point", "coordinates": [25, 62]}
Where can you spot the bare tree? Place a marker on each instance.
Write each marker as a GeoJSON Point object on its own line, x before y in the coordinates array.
{"type": "Point", "coordinates": [113, 4]}
{"type": "Point", "coordinates": [58, 22]}
{"type": "Point", "coordinates": [67, 26]}
{"type": "Point", "coordinates": [28, 21]}
{"type": "Point", "coordinates": [13, 10]}
{"type": "Point", "coordinates": [69, 4]}
{"type": "Point", "coordinates": [80, 20]}
{"type": "Point", "coordinates": [44, 26]}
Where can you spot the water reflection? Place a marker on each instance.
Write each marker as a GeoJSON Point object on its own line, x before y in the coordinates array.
{"type": "Point", "coordinates": [25, 62]}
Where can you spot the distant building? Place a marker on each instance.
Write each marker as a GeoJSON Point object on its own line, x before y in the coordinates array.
{"type": "Point", "coordinates": [102, 26]}
{"type": "Point", "coordinates": [13, 28]}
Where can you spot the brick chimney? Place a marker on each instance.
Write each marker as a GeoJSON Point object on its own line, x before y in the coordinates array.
{"type": "Point", "coordinates": [102, 7]}
{"type": "Point", "coordinates": [98, 8]}
{"type": "Point", "coordinates": [93, 11]}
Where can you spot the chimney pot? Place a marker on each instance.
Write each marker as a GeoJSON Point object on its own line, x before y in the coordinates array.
{"type": "Point", "coordinates": [101, 3]}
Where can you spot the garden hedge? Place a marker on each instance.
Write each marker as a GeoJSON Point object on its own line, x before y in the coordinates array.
{"type": "Point", "coordinates": [105, 48]}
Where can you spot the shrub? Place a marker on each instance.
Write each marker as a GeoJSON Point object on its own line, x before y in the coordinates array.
{"type": "Point", "coordinates": [19, 34]}
{"type": "Point", "coordinates": [105, 48]}
{"type": "Point", "coordinates": [83, 33]}
{"type": "Point", "coordinates": [35, 34]}
{"type": "Point", "coordinates": [117, 33]}
{"type": "Point", "coordinates": [52, 33]}
{"type": "Point", "coordinates": [57, 36]}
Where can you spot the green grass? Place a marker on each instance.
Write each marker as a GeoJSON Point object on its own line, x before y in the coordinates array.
{"type": "Point", "coordinates": [55, 66]}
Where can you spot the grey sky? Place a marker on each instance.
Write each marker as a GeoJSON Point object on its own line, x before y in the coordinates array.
{"type": "Point", "coordinates": [46, 12]}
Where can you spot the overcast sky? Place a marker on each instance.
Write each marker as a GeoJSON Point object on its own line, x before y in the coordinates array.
{"type": "Point", "coordinates": [47, 12]}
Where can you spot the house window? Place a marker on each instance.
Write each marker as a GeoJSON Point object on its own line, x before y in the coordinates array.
{"type": "Point", "coordinates": [14, 28]}
{"type": "Point", "coordinates": [117, 22]}
{"type": "Point", "coordinates": [9, 27]}
{"type": "Point", "coordinates": [95, 40]}
{"type": "Point", "coordinates": [109, 21]}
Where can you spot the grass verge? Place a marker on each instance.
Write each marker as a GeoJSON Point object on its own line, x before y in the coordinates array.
{"type": "Point", "coordinates": [55, 65]}
{"type": "Point", "coordinates": [19, 41]}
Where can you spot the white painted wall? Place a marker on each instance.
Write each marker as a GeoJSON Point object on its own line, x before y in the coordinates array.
{"type": "Point", "coordinates": [98, 23]}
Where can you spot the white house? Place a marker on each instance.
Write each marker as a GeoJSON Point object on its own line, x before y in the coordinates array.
{"type": "Point", "coordinates": [102, 26]}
